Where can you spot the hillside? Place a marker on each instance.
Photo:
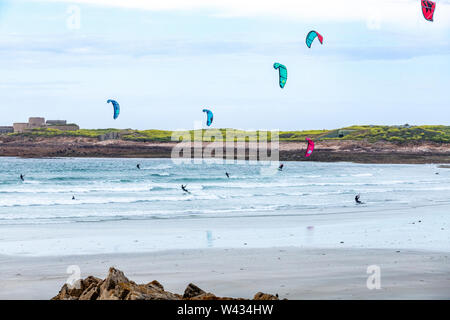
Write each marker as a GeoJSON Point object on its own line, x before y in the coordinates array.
{"type": "Point", "coordinates": [364, 144]}
{"type": "Point", "coordinates": [371, 134]}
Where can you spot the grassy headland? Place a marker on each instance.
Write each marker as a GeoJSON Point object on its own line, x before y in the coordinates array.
{"type": "Point", "coordinates": [395, 134]}
{"type": "Point", "coordinates": [365, 144]}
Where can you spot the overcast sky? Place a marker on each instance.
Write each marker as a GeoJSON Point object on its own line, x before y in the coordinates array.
{"type": "Point", "coordinates": [164, 61]}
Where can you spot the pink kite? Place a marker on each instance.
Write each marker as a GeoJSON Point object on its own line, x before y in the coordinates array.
{"type": "Point", "coordinates": [428, 8]}
{"type": "Point", "coordinates": [310, 147]}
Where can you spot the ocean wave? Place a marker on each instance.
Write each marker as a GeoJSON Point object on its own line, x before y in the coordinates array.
{"type": "Point", "coordinates": [161, 174]}
{"type": "Point", "coordinates": [78, 201]}
{"type": "Point", "coordinates": [162, 214]}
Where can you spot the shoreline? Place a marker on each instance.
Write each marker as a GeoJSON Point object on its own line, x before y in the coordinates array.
{"type": "Point", "coordinates": [241, 256]}
{"type": "Point", "coordinates": [395, 228]}
{"type": "Point", "coordinates": [326, 150]}
{"type": "Point", "coordinates": [293, 273]}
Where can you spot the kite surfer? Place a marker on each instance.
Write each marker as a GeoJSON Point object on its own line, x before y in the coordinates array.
{"type": "Point", "coordinates": [73, 197]}
{"type": "Point", "coordinates": [183, 187]}
{"type": "Point", "coordinates": [228, 176]}
{"type": "Point", "coordinates": [281, 167]}
{"type": "Point", "coordinates": [357, 199]}
{"type": "Point", "coordinates": [22, 177]}
{"type": "Point", "coordinates": [138, 166]}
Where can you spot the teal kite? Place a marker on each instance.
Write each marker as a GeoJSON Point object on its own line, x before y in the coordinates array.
{"type": "Point", "coordinates": [282, 71]}
{"type": "Point", "coordinates": [311, 36]}
{"type": "Point", "coordinates": [210, 117]}
{"type": "Point", "coordinates": [116, 108]}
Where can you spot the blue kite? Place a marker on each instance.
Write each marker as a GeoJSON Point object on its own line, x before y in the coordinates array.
{"type": "Point", "coordinates": [209, 116]}
{"type": "Point", "coordinates": [116, 107]}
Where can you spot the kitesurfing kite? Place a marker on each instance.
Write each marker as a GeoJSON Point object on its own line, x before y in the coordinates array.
{"type": "Point", "coordinates": [282, 73]}
{"type": "Point", "coordinates": [116, 108]}
{"type": "Point", "coordinates": [209, 116]}
{"type": "Point", "coordinates": [310, 147]}
{"type": "Point", "coordinates": [428, 8]}
{"type": "Point", "coordinates": [311, 36]}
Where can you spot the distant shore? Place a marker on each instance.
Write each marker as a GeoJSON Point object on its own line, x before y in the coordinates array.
{"type": "Point", "coordinates": [326, 150]}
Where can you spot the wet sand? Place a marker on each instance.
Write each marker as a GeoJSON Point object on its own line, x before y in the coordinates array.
{"type": "Point", "coordinates": [293, 273]}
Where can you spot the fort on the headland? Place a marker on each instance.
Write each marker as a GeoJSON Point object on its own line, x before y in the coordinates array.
{"type": "Point", "coordinates": [39, 123]}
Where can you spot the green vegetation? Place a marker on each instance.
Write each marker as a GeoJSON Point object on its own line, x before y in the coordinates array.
{"type": "Point", "coordinates": [398, 134]}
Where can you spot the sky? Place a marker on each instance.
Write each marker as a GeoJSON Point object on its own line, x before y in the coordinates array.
{"type": "Point", "coordinates": [165, 61]}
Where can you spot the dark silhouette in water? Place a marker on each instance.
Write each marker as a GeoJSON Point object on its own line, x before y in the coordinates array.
{"type": "Point", "coordinates": [73, 197]}
{"type": "Point", "coordinates": [281, 167]}
{"type": "Point", "coordinates": [357, 199]}
{"type": "Point", "coordinates": [22, 177]}
{"type": "Point", "coordinates": [184, 188]}
{"type": "Point", "coordinates": [138, 166]}
{"type": "Point", "coordinates": [228, 176]}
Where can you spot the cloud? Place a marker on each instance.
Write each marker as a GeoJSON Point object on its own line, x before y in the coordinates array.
{"type": "Point", "coordinates": [95, 45]}
{"type": "Point", "coordinates": [39, 85]}
{"type": "Point", "coordinates": [402, 12]}
{"type": "Point", "coordinates": [72, 50]}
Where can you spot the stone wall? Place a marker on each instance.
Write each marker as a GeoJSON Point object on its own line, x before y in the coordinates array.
{"type": "Point", "coordinates": [36, 122]}
{"type": "Point", "coordinates": [20, 126]}
{"type": "Point", "coordinates": [56, 122]}
{"type": "Point", "coordinates": [67, 127]}
{"type": "Point", "coordinates": [6, 129]}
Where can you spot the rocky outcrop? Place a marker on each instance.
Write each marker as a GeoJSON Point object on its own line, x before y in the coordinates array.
{"type": "Point", "coordinates": [109, 136]}
{"type": "Point", "coordinates": [326, 150]}
{"type": "Point", "coordinates": [265, 296]}
{"type": "Point", "coordinates": [116, 286]}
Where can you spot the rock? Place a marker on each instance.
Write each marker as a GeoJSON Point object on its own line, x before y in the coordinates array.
{"type": "Point", "coordinates": [109, 136]}
{"type": "Point", "coordinates": [116, 286]}
{"type": "Point", "coordinates": [265, 296]}
{"type": "Point", "coordinates": [91, 293]}
{"type": "Point", "coordinates": [156, 284]}
{"type": "Point", "coordinates": [192, 291]}
{"type": "Point", "coordinates": [67, 294]}
{"type": "Point", "coordinates": [77, 290]}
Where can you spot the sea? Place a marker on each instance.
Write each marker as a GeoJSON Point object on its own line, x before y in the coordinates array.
{"type": "Point", "coordinates": [116, 190]}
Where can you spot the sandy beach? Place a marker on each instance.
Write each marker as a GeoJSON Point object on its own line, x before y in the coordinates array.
{"type": "Point", "coordinates": [293, 273]}
{"type": "Point", "coordinates": [299, 257]}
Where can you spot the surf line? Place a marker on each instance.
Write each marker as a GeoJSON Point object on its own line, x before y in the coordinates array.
{"type": "Point", "coordinates": [187, 310]}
